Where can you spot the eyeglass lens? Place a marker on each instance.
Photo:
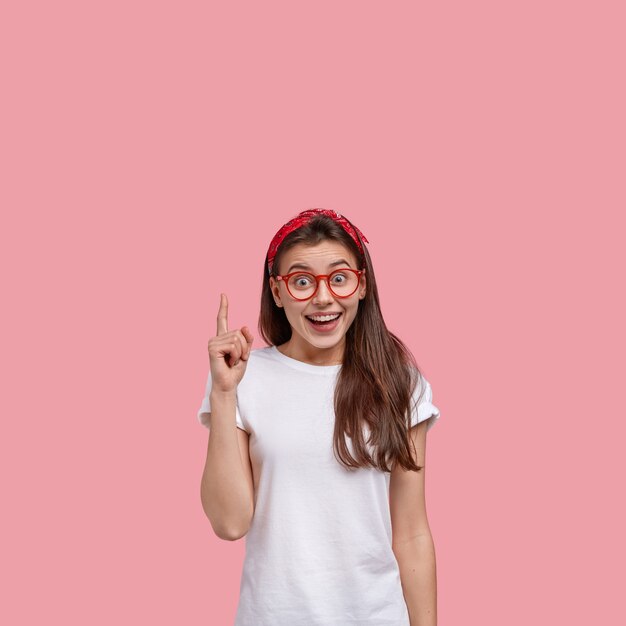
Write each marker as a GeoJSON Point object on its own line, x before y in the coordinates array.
{"type": "Point", "coordinates": [342, 283]}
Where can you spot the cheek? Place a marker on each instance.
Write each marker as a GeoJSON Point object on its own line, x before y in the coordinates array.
{"type": "Point", "coordinates": [354, 310]}
{"type": "Point", "coordinates": [293, 313]}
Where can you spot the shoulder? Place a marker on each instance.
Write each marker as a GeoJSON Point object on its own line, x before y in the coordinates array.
{"type": "Point", "coordinates": [422, 407]}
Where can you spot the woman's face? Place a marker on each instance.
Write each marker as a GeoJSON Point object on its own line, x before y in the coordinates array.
{"type": "Point", "coordinates": [322, 258]}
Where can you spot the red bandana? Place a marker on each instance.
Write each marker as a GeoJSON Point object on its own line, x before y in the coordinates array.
{"type": "Point", "coordinates": [300, 220]}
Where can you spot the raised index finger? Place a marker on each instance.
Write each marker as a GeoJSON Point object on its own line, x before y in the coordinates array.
{"type": "Point", "coordinates": [222, 315]}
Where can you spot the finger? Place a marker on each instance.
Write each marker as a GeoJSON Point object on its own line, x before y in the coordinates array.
{"type": "Point", "coordinates": [247, 335]}
{"type": "Point", "coordinates": [222, 345]}
{"type": "Point", "coordinates": [222, 315]}
{"type": "Point", "coordinates": [235, 337]}
{"type": "Point", "coordinates": [244, 345]}
{"type": "Point", "coordinates": [233, 349]}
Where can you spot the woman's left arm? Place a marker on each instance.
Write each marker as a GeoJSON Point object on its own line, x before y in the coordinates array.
{"type": "Point", "coordinates": [413, 544]}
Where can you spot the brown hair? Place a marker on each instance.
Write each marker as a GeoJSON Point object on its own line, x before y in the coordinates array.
{"type": "Point", "coordinates": [379, 373]}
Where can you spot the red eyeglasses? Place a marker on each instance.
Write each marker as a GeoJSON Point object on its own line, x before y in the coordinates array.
{"type": "Point", "coordinates": [304, 285]}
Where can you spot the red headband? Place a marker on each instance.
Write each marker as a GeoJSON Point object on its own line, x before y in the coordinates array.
{"type": "Point", "coordinates": [300, 220]}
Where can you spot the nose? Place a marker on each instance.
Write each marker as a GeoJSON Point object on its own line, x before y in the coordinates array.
{"type": "Point", "coordinates": [323, 294]}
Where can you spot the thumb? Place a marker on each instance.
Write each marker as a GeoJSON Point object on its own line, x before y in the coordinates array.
{"type": "Point", "coordinates": [245, 331]}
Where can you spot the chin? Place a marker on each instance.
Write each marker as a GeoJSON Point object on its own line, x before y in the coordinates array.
{"type": "Point", "coordinates": [321, 342]}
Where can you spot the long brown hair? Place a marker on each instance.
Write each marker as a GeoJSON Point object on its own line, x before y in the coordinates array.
{"type": "Point", "coordinates": [378, 375]}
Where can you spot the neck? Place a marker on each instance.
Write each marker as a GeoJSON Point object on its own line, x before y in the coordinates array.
{"type": "Point", "coordinates": [304, 351]}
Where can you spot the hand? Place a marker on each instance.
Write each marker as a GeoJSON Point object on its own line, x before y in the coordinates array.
{"type": "Point", "coordinates": [228, 351]}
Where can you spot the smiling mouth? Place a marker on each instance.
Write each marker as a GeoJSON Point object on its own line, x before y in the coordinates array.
{"type": "Point", "coordinates": [322, 320]}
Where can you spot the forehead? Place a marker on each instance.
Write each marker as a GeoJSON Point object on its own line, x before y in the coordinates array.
{"type": "Point", "coordinates": [317, 257]}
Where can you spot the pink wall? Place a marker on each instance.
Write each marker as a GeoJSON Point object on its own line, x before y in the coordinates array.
{"type": "Point", "coordinates": [149, 153]}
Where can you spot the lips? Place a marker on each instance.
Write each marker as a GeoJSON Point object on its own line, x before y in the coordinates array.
{"type": "Point", "coordinates": [326, 327]}
{"type": "Point", "coordinates": [317, 315]}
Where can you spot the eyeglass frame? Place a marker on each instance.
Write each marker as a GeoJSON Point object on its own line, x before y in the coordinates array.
{"type": "Point", "coordinates": [285, 278]}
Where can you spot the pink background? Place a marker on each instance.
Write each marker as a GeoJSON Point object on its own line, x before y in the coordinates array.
{"type": "Point", "coordinates": [150, 150]}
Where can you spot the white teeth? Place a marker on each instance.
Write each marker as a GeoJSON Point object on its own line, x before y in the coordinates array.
{"type": "Point", "coordinates": [323, 318]}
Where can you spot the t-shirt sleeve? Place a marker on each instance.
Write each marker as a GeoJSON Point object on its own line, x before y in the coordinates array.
{"type": "Point", "coordinates": [422, 407]}
{"type": "Point", "coordinates": [204, 414]}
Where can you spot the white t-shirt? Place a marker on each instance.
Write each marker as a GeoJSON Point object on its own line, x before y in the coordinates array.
{"type": "Point", "coordinates": [318, 551]}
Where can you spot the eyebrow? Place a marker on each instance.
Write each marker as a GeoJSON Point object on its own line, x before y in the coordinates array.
{"type": "Point", "coordinates": [304, 266]}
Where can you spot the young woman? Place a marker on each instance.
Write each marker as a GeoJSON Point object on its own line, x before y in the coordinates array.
{"type": "Point", "coordinates": [317, 444]}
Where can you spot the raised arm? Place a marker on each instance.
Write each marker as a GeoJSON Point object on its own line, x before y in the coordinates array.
{"type": "Point", "coordinates": [226, 489]}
